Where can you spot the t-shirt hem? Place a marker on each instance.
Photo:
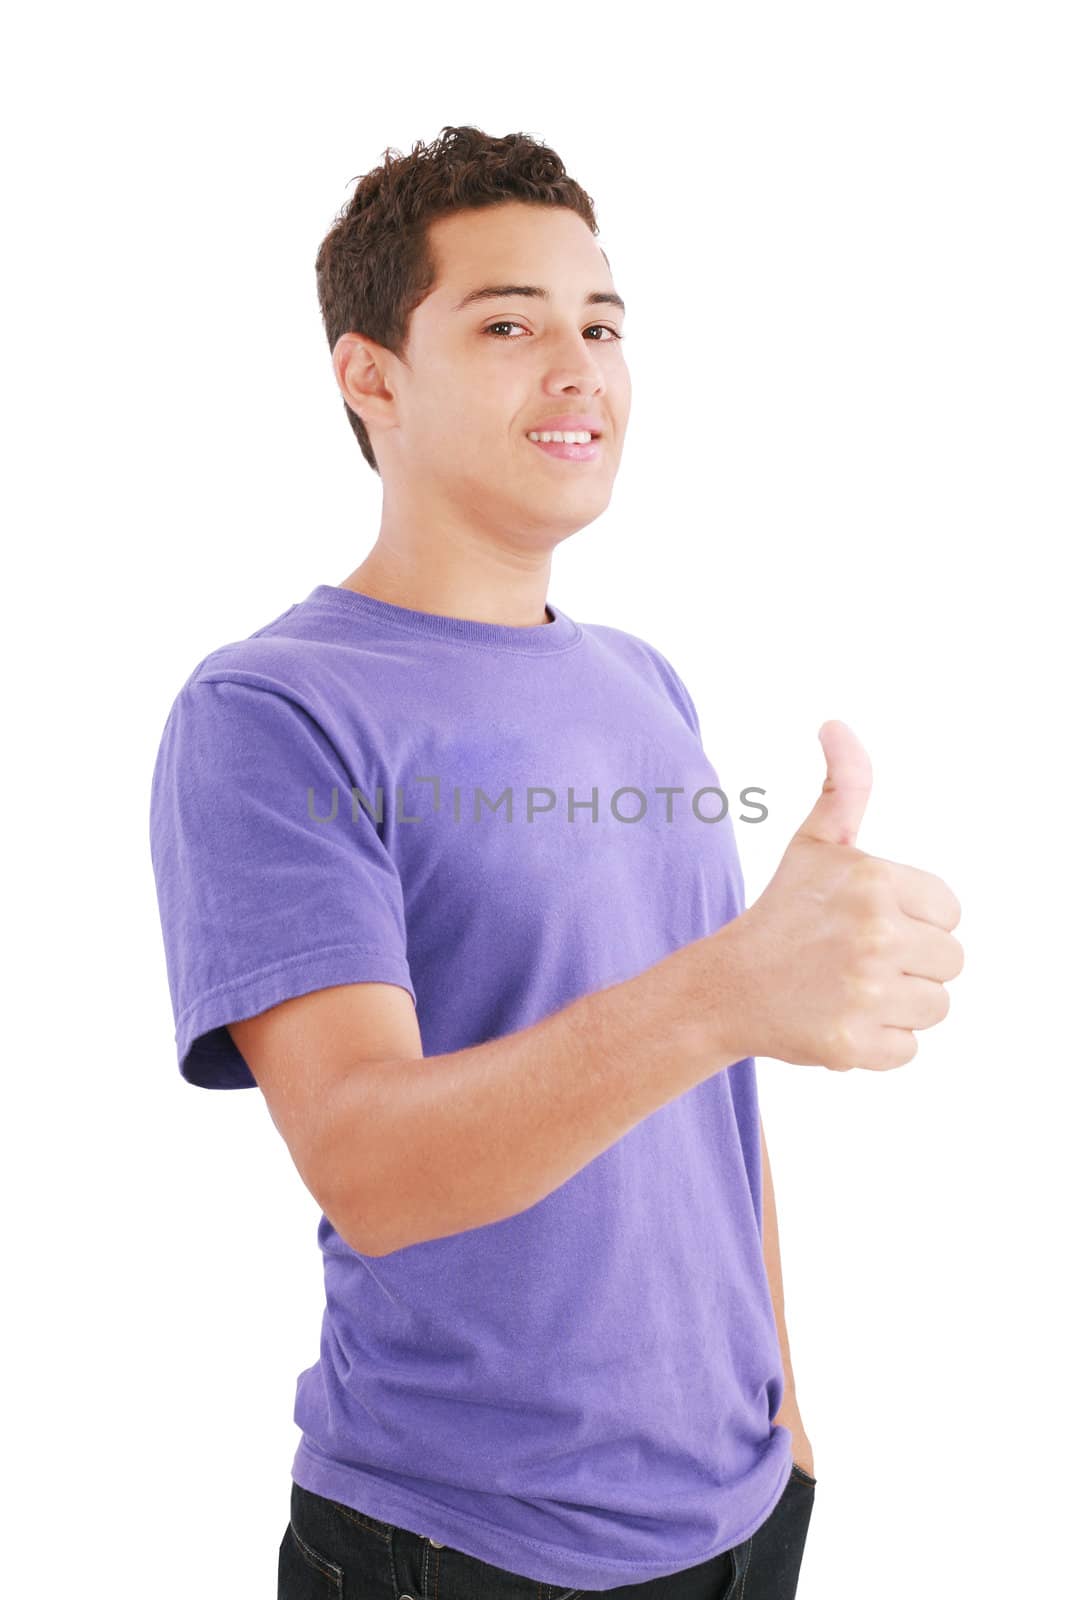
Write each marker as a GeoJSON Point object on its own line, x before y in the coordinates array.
{"type": "Point", "coordinates": [286, 979]}
{"type": "Point", "coordinates": [554, 1563]}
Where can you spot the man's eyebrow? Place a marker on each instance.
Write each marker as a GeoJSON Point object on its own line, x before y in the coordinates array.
{"type": "Point", "coordinates": [505, 291]}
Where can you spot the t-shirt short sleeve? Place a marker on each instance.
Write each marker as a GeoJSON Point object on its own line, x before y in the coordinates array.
{"type": "Point", "coordinates": [259, 900]}
{"type": "Point", "coordinates": [676, 689]}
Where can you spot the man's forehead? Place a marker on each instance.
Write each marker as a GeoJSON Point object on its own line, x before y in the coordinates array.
{"type": "Point", "coordinates": [478, 248]}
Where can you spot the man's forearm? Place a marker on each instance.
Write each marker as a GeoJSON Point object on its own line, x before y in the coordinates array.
{"type": "Point", "coordinates": [772, 1257]}
{"type": "Point", "coordinates": [428, 1148]}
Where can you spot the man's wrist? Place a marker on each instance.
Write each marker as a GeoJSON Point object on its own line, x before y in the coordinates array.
{"type": "Point", "coordinates": [715, 999]}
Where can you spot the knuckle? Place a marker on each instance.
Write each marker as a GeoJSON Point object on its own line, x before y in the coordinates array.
{"type": "Point", "coordinates": [871, 890]}
{"type": "Point", "coordinates": [877, 934]}
{"type": "Point", "coordinates": [872, 873]}
{"type": "Point", "coordinates": [866, 989]}
{"type": "Point", "coordinates": [840, 1040]}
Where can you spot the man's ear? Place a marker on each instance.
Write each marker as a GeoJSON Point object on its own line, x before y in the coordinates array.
{"type": "Point", "coordinates": [360, 366]}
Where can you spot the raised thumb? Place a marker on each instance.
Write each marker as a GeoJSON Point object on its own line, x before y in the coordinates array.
{"type": "Point", "coordinates": [836, 816]}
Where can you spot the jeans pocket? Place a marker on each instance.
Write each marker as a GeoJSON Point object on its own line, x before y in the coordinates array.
{"type": "Point", "coordinates": [803, 1477]}
{"type": "Point", "coordinates": [305, 1573]}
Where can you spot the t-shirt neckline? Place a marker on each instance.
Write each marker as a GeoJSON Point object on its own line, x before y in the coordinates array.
{"type": "Point", "coordinates": [541, 638]}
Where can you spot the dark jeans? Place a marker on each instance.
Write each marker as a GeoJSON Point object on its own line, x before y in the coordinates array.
{"type": "Point", "coordinates": [331, 1552]}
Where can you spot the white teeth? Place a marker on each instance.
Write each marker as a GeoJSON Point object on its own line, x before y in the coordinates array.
{"type": "Point", "coordinates": [561, 438]}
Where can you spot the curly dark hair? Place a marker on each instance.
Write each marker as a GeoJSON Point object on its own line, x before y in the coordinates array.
{"type": "Point", "coordinates": [374, 266]}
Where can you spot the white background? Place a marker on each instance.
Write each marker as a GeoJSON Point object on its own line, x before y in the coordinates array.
{"type": "Point", "coordinates": [839, 230]}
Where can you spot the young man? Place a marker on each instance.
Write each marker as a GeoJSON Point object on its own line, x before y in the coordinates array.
{"type": "Point", "coordinates": [438, 872]}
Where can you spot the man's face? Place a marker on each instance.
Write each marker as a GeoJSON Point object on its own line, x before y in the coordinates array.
{"type": "Point", "coordinates": [480, 376]}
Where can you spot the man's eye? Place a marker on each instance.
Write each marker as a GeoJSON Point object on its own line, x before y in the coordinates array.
{"type": "Point", "coordinates": [602, 326]}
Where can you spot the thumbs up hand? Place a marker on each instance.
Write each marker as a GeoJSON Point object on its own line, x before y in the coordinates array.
{"type": "Point", "coordinates": [844, 955]}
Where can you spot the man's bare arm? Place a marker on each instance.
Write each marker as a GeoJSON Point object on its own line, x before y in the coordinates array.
{"type": "Point", "coordinates": [838, 961]}
{"type": "Point", "coordinates": [422, 1149]}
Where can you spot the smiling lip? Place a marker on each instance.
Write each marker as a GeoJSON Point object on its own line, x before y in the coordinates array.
{"type": "Point", "coordinates": [567, 422]}
{"type": "Point", "coordinates": [568, 452]}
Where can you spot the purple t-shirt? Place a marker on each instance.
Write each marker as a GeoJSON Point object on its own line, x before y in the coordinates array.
{"type": "Point", "coordinates": [582, 1393]}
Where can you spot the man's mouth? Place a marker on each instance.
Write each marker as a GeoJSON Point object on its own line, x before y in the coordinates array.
{"type": "Point", "coordinates": [566, 445]}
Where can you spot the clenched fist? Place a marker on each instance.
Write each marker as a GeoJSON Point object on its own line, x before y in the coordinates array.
{"type": "Point", "coordinates": [844, 955]}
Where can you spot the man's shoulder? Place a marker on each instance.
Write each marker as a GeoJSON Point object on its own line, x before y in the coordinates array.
{"type": "Point", "coordinates": [632, 646]}
{"type": "Point", "coordinates": [289, 656]}
{"type": "Point", "coordinates": [650, 662]}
